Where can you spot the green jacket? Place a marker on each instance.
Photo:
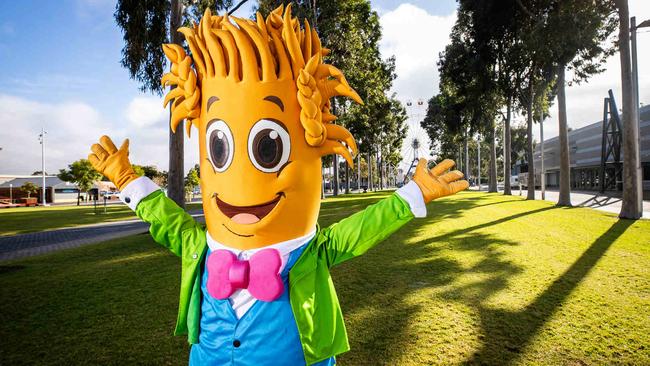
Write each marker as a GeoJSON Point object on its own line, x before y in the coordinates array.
{"type": "Point", "coordinates": [312, 296]}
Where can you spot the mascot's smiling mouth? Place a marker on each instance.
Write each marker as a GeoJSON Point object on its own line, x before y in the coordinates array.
{"type": "Point", "coordinates": [248, 214]}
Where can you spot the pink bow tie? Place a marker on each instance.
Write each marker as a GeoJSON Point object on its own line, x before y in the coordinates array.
{"type": "Point", "coordinates": [259, 274]}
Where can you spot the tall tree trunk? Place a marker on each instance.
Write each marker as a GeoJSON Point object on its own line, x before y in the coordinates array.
{"type": "Point", "coordinates": [369, 171]}
{"type": "Point", "coordinates": [507, 149]}
{"type": "Point", "coordinates": [542, 170]}
{"type": "Point", "coordinates": [529, 152]}
{"type": "Point", "coordinates": [381, 171]}
{"type": "Point", "coordinates": [336, 160]}
{"type": "Point", "coordinates": [347, 178]}
{"type": "Point", "coordinates": [322, 179]}
{"type": "Point", "coordinates": [565, 160]}
{"type": "Point", "coordinates": [336, 176]}
{"type": "Point", "coordinates": [493, 160]}
{"type": "Point", "coordinates": [632, 206]}
{"type": "Point", "coordinates": [478, 162]}
{"type": "Point", "coordinates": [175, 189]}
{"type": "Point", "coordinates": [466, 157]}
{"type": "Point", "coordinates": [359, 172]}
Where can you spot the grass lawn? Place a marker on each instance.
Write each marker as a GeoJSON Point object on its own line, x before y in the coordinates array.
{"type": "Point", "coordinates": [32, 219]}
{"type": "Point", "coordinates": [485, 279]}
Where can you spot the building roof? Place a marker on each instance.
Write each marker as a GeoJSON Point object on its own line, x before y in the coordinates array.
{"type": "Point", "coordinates": [50, 181]}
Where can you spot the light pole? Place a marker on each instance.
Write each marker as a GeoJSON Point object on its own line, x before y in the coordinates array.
{"type": "Point", "coordinates": [41, 138]}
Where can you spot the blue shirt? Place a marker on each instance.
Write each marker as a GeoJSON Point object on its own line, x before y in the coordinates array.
{"type": "Point", "coordinates": [265, 335]}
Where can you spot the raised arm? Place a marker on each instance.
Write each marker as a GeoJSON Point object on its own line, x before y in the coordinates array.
{"type": "Point", "coordinates": [170, 224]}
{"type": "Point", "coordinates": [356, 234]}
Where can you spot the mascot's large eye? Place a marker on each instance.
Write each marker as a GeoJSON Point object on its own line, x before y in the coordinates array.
{"type": "Point", "coordinates": [269, 145]}
{"type": "Point", "coordinates": [219, 145]}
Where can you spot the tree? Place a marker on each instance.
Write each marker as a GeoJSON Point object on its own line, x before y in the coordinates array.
{"type": "Point", "coordinates": [160, 179]}
{"type": "Point", "coordinates": [146, 26]}
{"type": "Point", "coordinates": [38, 172]}
{"type": "Point", "coordinates": [138, 169]}
{"type": "Point", "coordinates": [82, 173]}
{"type": "Point", "coordinates": [578, 32]}
{"type": "Point", "coordinates": [469, 75]}
{"type": "Point", "coordinates": [444, 142]}
{"type": "Point", "coordinates": [192, 180]}
{"type": "Point", "coordinates": [351, 30]}
{"type": "Point", "coordinates": [150, 171]}
{"type": "Point", "coordinates": [632, 206]}
{"type": "Point", "coordinates": [29, 188]}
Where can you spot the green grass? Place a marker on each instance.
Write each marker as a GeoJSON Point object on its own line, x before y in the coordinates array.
{"type": "Point", "coordinates": [485, 279]}
{"type": "Point", "coordinates": [33, 219]}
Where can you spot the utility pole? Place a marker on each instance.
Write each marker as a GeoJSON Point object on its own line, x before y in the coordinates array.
{"type": "Point", "coordinates": [41, 138]}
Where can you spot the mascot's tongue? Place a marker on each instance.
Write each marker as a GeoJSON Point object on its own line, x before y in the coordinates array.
{"type": "Point", "coordinates": [245, 218]}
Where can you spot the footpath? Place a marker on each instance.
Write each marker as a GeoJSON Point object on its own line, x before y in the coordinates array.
{"type": "Point", "coordinates": [27, 245]}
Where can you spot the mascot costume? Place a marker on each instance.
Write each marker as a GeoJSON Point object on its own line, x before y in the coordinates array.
{"type": "Point", "coordinates": [255, 283]}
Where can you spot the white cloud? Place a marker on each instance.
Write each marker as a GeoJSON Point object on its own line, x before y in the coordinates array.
{"type": "Point", "coordinates": [416, 38]}
{"type": "Point", "coordinates": [146, 112]}
{"type": "Point", "coordinates": [72, 127]}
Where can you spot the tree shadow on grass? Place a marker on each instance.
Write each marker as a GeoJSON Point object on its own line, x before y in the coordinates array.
{"type": "Point", "coordinates": [376, 292]}
{"type": "Point", "coordinates": [507, 333]}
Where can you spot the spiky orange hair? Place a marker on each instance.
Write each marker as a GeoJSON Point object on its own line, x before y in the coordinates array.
{"type": "Point", "coordinates": [275, 48]}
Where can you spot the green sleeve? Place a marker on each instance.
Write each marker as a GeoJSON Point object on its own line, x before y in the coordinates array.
{"type": "Point", "coordinates": [170, 224]}
{"type": "Point", "coordinates": [356, 234]}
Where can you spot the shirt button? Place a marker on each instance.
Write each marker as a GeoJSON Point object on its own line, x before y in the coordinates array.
{"type": "Point", "coordinates": [236, 343]}
{"type": "Point", "coordinates": [195, 255]}
{"type": "Point", "coordinates": [127, 200]}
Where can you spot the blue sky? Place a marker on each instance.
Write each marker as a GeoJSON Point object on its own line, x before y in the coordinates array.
{"type": "Point", "coordinates": [70, 50]}
{"type": "Point", "coordinates": [61, 70]}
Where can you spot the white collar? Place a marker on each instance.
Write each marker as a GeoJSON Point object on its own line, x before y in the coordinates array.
{"type": "Point", "coordinates": [285, 247]}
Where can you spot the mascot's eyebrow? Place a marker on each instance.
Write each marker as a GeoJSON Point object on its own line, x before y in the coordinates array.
{"type": "Point", "coordinates": [275, 100]}
{"type": "Point", "coordinates": [210, 101]}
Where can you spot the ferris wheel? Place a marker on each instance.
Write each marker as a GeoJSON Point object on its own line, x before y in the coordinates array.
{"type": "Point", "coordinates": [416, 144]}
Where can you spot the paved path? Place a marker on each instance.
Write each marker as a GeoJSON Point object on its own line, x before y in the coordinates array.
{"type": "Point", "coordinates": [593, 200]}
{"type": "Point", "coordinates": [27, 245]}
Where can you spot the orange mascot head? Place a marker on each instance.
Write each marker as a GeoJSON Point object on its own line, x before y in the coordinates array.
{"type": "Point", "coordinates": [258, 92]}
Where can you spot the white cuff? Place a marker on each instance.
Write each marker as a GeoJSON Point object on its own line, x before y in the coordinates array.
{"type": "Point", "coordinates": [412, 194]}
{"type": "Point", "coordinates": [136, 190]}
